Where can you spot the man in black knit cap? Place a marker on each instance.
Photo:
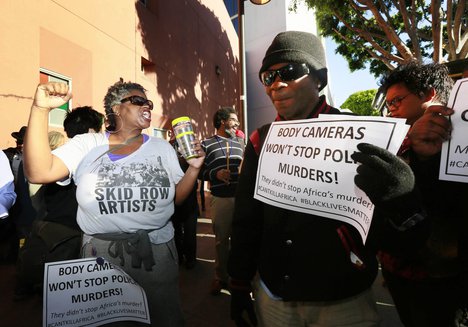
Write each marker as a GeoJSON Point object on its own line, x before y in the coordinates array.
{"type": "Point", "coordinates": [306, 264]}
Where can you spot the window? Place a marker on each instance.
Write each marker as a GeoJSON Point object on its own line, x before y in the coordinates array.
{"type": "Point", "coordinates": [56, 116]}
{"type": "Point", "coordinates": [147, 67]}
{"type": "Point", "coordinates": [231, 6]}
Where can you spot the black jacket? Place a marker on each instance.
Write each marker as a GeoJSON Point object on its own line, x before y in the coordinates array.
{"type": "Point", "coordinates": [300, 257]}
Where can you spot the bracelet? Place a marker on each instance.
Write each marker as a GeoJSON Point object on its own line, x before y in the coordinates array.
{"type": "Point", "coordinates": [410, 222]}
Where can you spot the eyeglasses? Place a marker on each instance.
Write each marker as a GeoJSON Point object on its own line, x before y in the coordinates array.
{"type": "Point", "coordinates": [290, 72]}
{"type": "Point", "coordinates": [396, 101]}
{"type": "Point", "coordinates": [138, 101]}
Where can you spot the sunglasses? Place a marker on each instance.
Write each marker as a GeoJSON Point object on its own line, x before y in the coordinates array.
{"type": "Point", "coordinates": [287, 73]}
{"type": "Point", "coordinates": [138, 101]}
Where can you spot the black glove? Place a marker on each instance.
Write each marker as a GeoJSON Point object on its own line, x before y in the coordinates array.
{"type": "Point", "coordinates": [461, 317]}
{"type": "Point", "coordinates": [240, 301]}
{"type": "Point", "coordinates": [387, 180]}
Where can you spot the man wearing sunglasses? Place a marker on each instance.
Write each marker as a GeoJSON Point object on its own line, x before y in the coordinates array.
{"type": "Point", "coordinates": [305, 278]}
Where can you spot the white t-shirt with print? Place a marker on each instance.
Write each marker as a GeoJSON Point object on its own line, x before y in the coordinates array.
{"type": "Point", "coordinates": [132, 193]}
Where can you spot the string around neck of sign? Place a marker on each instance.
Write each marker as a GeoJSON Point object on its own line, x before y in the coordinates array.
{"type": "Point", "coordinates": [118, 146]}
{"type": "Point", "coordinates": [229, 147]}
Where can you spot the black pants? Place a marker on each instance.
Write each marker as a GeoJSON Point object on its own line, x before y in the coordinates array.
{"type": "Point", "coordinates": [186, 237]}
{"type": "Point", "coordinates": [47, 242]}
{"type": "Point", "coordinates": [424, 304]}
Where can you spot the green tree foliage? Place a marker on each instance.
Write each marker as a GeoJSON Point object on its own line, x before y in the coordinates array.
{"type": "Point", "coordinates": [361, 103]}
{"type": "Point", "coordinates": [387, 33]}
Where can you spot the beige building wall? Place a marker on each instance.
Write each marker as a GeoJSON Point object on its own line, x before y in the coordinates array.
{"type": "Point", "coordinates": [184, 52]}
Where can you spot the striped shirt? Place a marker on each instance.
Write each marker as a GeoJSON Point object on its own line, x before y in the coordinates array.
{"type": "Point", "coordinates": [222, 152]}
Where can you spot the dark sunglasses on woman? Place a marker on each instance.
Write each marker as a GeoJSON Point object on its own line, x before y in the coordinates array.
{"type": "Point", "coordinates": [138, 101]}
{"type": "Point", "coordinates": [287, 73]}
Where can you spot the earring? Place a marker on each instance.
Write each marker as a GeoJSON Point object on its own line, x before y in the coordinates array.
{"type": "Point", "coordinates": [112, 123]}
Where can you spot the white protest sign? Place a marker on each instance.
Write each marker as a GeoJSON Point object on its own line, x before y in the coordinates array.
{"type": "Point", "coordinates": [454, 159]}
{"type": "Point", "coordinates": [84, 292]}
{"type": "Point", "coordinates": [306, 165]}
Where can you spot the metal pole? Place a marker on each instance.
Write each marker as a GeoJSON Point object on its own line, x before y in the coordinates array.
{"type": "Point", "coordinates": [243, 84]}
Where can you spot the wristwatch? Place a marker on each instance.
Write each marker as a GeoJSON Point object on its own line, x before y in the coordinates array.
{"type": "Point", "coordinates": [410, 222]}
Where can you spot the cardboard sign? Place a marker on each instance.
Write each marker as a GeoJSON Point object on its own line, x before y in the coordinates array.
{"type": "Point", "coordinates": [306, 165]}
{"type": "Point", "coordinates": [90, 292]}
{"type": "Point", "coordinates": [454, 158]}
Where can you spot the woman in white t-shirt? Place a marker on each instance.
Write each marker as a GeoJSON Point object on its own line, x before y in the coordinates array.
{"type": "Point", "coordinates": [127, 184]}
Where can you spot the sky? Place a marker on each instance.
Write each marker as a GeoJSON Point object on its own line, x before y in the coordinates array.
{"type": "Point", "coordinates": [342, 82]}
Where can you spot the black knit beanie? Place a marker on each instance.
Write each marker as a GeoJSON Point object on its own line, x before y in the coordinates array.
{"type": "Point", "coordinates": [299, 47]}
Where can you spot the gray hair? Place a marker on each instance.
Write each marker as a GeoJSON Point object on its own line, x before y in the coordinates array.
{"type": "Point", "coordinates": [114, 95]}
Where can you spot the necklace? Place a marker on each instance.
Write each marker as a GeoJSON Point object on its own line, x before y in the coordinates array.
{"type": "Point", "coordinates": [228, 147]}
{"type": "Point", "coordinates": [227, 154]}
{"type": "Point", "coordinates": [118, 146]}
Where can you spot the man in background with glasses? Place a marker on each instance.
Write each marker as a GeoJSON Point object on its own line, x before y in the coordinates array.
{"type": "Point", "coordinates": [224, 152]}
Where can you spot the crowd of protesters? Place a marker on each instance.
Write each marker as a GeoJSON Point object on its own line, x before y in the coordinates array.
{"type": "Point", "coordinates": [282, 267]}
